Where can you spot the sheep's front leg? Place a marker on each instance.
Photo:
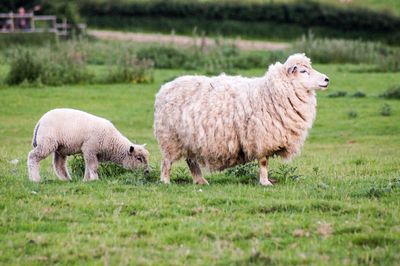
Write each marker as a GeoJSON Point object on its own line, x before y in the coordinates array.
{"type": "Point", "coordinates": [91, 166]}
{"type": "Point", "coordinates": [263, 163]}
{"type": "Point", "coordinates": [166, 171]}
{"type": "Point", "coordinates": [196, 172]}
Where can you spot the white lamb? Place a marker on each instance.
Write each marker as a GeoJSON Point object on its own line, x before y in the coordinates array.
{"type": "Point", "coordinates": [67, 131]}
{"type": "Point", "coordinates": [223, 121]}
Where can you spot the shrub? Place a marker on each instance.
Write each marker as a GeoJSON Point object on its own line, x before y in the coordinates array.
{"type": "Point", "coordinates": [49, 65]}
{"type": "Point", "coordinates": [392, 93]}
{"type": "Point", "coordinates": [337, 94]}
{"type": "Point", "coordinates": [359, 94]}
{"type": "Point", "coordinates": [25, 66]}
{"type": "Point", "coordinates": [386, 110]}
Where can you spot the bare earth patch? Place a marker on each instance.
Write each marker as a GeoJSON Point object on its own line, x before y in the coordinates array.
{"type": "Point", "coordinates": [183, 40]}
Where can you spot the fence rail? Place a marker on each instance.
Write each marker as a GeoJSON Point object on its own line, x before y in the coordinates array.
{"type": "Point", "coordinates": [28, 22]}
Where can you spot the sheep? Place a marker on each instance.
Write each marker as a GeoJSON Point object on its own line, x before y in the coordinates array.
{"type": "Point", "coordinates": [66, 132]}
{"type": "Point", "coordinates": [223, 121]}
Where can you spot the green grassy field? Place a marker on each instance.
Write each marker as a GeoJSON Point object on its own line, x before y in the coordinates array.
{"type": "Point", "coordinates": [343, 210]}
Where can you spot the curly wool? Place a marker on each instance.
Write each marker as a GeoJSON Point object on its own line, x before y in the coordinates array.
{"type": "Point", "coordinates": [223, 121]}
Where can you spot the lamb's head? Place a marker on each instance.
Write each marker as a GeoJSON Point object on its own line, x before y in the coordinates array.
{"type": "Point", "coordinates": [301, 74]}
{"type": "Point", "coordinates": [136, 156]}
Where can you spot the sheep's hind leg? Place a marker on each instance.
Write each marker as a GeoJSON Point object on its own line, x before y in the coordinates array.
{"type": "Point", "coordinates": [91, 166]}
{"type": "Point", "coordinates": [34, 158]}
{"type": "Point", "coordinates": [60, 166]}
{"type": "Point", "coordinates": [166, 171]}
{"type": "Point", "coordinates": [263, 163]}
{"type": "Point", "coordinates": [196, 172]}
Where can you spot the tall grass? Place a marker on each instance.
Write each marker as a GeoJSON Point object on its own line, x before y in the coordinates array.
{"type": "Point", "coordinates": [386, 58]}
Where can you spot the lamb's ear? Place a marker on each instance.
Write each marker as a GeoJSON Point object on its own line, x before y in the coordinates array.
{"type": "Point", "coordinates": [144, 145]}
{"type": "Point", "coordinates": [131, 149]}
{"type": "Point", "coordinates": [292, 69]}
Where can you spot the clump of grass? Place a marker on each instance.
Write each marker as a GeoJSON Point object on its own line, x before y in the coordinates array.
{"type": "Point", "coordinates": [386, 110]}
{"type": "Point", "coordinates": [359, 94]}
{"type": "Point", "coordinates": [392, 93]}
{"type": "Point", "coordinates": [106, 170]}
{"type": "Point", "coordinates": [284, 173]}
{"type": "Point", "coordinates": [377, 192]}
{"type": "Point", "coordinates": [337, 94]}
{"type": "Point", "coordinates": [352, 114]}
{"type": "Point", "coordinates": [250, 170]}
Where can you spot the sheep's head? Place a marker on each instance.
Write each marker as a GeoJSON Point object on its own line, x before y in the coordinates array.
{"type": "Point", "coordinates": [300, 72]}
{"type": "Point", "coordinates": [136, 155]}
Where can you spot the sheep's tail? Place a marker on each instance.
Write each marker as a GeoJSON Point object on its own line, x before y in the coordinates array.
{"type": "Point", "coordinates": [34, 142]}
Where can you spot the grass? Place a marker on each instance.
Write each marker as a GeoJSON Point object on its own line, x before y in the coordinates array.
{"type": "Point", "coordinates": [342, 210]}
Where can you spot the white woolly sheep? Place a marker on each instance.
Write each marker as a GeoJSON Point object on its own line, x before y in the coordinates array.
{"type": "Point", "coordinates": [67, 131]}
{"type": "Point", "coordinates": [224, 121]}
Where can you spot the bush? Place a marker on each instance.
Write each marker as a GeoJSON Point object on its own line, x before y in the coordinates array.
{"type": "Point", "coordinates": [31, 39]}
{"type": "Point", "coordinates": [48, 65]}
{"type": "Point", "coordinates": [337, 94]}
{"type": "Point", "coordinates": [392, 93]}
{"type": "Point", "coordinates": [386, 110]}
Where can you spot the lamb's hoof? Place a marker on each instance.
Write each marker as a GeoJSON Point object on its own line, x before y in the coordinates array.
{"type": "Point", "coordinates": [265, 182]}
{"type": "Point", "coordinates": [201, 182]}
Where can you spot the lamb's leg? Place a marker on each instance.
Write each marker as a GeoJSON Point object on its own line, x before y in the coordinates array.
{"type": "Point", "coordinates": [196, 172]}
{"type": "Point", "coordinates": [166, 171]}
{"type": "Point", "coordinates": [91, 166]}
{"type": "Point", "coordinates": [263, 163]}
{"type": "Point", "coordinates": [34, 157]}
{"type": "Point", "coordinates": [60, 167]}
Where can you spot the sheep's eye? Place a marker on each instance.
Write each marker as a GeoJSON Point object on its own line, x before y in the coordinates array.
{"type": "Point", "coordinates": [303, 71]}
{"type": "Point", "coordinates": [139, 159]}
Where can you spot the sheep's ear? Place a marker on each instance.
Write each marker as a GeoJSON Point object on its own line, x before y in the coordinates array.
{"type": "Point", "coordinates": [292, 69]}
{"type": "Point", "coordinates": [144, 145]}
{"type": "Point", "coordinates": [131, 149]}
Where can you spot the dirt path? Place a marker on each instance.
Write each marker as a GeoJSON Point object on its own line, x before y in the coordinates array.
{"type": "Point", "coordinates": [183, 40]}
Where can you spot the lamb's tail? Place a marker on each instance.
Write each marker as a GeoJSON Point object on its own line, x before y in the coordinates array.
{"type": "Point", "coordinates": [34, 142]}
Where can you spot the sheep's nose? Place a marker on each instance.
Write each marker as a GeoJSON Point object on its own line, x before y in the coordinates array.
{"type": "Point", "coordinates": [326, 79]}
{"type": "Point", "coordinates": [146, 172]}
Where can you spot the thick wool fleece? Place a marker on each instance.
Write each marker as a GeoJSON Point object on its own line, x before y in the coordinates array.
{"type": "Point", "coordinates": [223, 121]}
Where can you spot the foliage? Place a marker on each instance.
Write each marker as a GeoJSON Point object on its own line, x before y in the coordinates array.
{"type": "Point", "coordinates": [164, 56]}
{"type": "Point", "coordinates": [392, 93]}
{"type": "Point", "coordinates": [47, 66]}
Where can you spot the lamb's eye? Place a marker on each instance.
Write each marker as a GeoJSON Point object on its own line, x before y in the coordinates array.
{"type": "Point", "coordinates": [139, 159]}
{"type": "Point", "coordinates": [303, 71]}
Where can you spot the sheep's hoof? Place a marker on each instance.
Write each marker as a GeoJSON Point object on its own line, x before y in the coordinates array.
{"type": "Point", "coordinates": [165, 181]}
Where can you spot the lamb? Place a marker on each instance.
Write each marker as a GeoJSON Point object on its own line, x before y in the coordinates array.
{"type": "Point", "coordinates": [225, 120]}
{"type": "Point", "coordinates": [66, 132]}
